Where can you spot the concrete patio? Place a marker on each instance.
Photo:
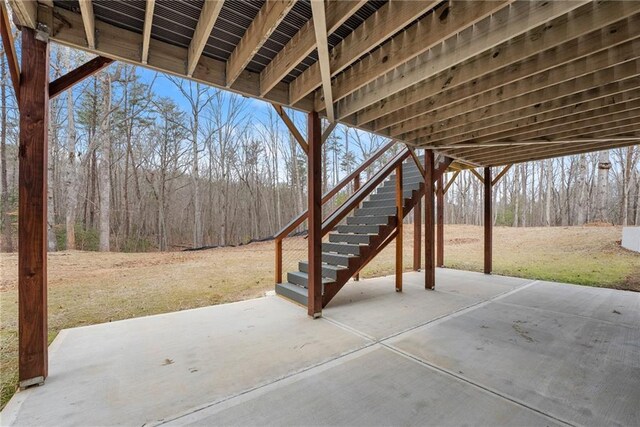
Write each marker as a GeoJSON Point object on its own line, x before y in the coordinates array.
{"type": "Point", "coordinates": [479, 350]}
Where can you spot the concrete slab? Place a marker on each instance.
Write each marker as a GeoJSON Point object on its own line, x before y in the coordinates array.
{"type": "Point", "coordinates": [375, 386]}
{"type": "Point", "coordinates": [142, 370]}
{"type": "Point", "coordinates": [574, 367]}
{"type": "Point", "coordinates": [620, 307]}
{"type": "Point", "coordinates": [480, 350]}
{"type": "Point", "coordinates": [373, 308]}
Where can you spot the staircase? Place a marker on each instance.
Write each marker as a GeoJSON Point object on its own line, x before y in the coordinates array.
{"type": "Point", "coordinates": [353, 244]}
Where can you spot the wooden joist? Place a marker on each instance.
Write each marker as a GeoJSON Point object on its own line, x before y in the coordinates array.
{"type": "Point", "coordinates": [538, 115]}
{"type": "Point", "coordinates": [146, 32]}
{"type": "Point", "coordinates": [303, 43]}
{"type": "Point", "coordinates": [588, 19]}
{"type": "Point", "coordinates": [322, 45]}
{"type": "Point", "coordinates": [89, 22]}
{"type": "Point", "coordinates": [123, 45]}
{"type": "Point", "coordinates": [504, 25]}
{"type": "Point", "coordinates": [536, 83]}
{"type": "Point", "coordinates": [259, 31]}
{"type": "Point", "coordinates": [74, 77]}
{"type": "Point", "coordinates": [376, 29]}
{"type": "Point", "coordinates": [208, 17]}
{"type": "Point", "coordinates": [491, 105]}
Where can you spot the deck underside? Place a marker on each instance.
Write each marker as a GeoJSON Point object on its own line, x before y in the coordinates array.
{"type": "Point", "coordinates": [479, 349]}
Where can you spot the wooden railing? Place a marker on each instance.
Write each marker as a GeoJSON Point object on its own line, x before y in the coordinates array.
{"type": "Point", "coordinates": [296, 222]}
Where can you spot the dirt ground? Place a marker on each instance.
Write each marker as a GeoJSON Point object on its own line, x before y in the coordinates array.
{"type": "Point", "coordinates": [89, 287]}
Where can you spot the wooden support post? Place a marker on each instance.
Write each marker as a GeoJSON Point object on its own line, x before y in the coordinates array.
{"type": "Point", "coordinates": [278, 260]}
{"type": "Point", "coordinates": [32, 211]}
{"type": "Point", "coordinates": [356, 187]}
{"type": "Point", "coordinates": [429, 229]}
{"type": "Point", "coordinates": [488, 222]}
{"type": "Point", "coordinates": [440, 221]}
{"type": "Point", "coordinates": [417, 235]}
{"type": "Point", "coordinates": [314, 286]}
{"type": "Point", "coordinates": [399, 218]}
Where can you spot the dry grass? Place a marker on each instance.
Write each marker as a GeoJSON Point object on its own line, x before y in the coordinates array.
{"type": "Point", "coordinates": [88, 287]}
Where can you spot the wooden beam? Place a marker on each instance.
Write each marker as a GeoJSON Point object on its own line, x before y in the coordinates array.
{"type": "Point", "coordinates": [292, 127]}
{"type": "Point", "coordinates": [314, 175]}
{"type": "Point", "coordinates": [517, 58]}
{"type": "Point", "coordinates": [399, 227]}
{"type": "Point", "coordinates": [486, 34]}
{"type": "Point", "coordinates": [488, 222]}
{"type": "Point", "coordinates": [303, 43]}
{"type": "Point", "coordinates": [74, 77]}
{"type": "Point", "coordinates": [534, 84]}
{"type": "Point", "coordinates": [500, 175]}
{"type": "Point", "coordinates": [322, 45]}
{"type": "Point", "coordinates": [25, 12]}
{"type": "Point", "coordinates": [384, 23]}
{"type": "Point", "coordinates": [146, 31]}
{"type": "Point", "coordinates": [89, 22]}
{"type": "Point", "coordinates": [123, 45]}
{"type": "Point", "coordinates": [32, 211]}
{"type": "Point", "coordinates": [417, 235]}
{"type": "Point", "coordinates": [9, 49]}
{"type": "Point", "coordinates": [259, 31]}
{"type": "Point", "coordinates": [429, 227]}
{"type": "Point", "coordinates": [440, 222]}
{"type": "Point", "coordinates": [208, 18]}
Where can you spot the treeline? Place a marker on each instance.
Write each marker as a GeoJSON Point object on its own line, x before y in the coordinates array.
{"type": "Point", "coordinates": [132, 169]}
{"type": "Point", "coordinates": [599, 187]}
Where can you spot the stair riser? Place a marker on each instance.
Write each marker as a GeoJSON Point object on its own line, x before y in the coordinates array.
{"type": "Point", "coordinates": [341, 249]}
{"type": "Point", "coordinates": [391, 188]}
{"type": "Point", "coordinates": [330, 273]}
{"type": "Point", "coordinates": [382, 210]}
{"type": "Point", "coordinates": [407, 180]}
{"type": "Point", "coordinates": [390, 195]}
{"type": "Point", "coordinates": [378, 203]}
{"type": "Point", "coordinates": [350, 238]}
{"type": "Point", "coordinates": [367, 220]}
{"type": "Point", "coordinates": [341, 260]}
{"type": "Point", "coordinates": [296, 280]}
{"type": "Point", "coordinates": [358, 229]}
{"type": "Point", "coordinates": [291, 294]}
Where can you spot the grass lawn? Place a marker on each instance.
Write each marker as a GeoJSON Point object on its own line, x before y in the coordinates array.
{"type": "Point", "coordinates": [88, 287]}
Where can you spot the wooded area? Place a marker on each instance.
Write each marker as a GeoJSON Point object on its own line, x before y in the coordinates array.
{"type": "Point", "coordinates": [132, 169]}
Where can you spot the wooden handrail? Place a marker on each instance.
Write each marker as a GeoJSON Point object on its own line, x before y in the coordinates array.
{"type": "Point", "coordinates": [329, 194]}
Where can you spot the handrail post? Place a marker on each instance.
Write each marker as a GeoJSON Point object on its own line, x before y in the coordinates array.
{"type": "Point", "coordinates": [399, 218]}
{"type": "Point", "coordinates": [356, 187]}
{"type": "Point", "coordinates": [278, 260]}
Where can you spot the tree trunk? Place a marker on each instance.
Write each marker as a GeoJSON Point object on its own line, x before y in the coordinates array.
{"type": "Point", "coordinates": [7, 238]}
{"type": "Point", "coordinates": [603, 184]}
{"type": "Point", "coordinates": [105, 164]}
{"type": "Point", "coordinates": [581, 213]}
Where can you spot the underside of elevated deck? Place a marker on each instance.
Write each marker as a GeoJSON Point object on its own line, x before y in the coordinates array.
{"type": "Point", "coordinates": [478, 350]}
